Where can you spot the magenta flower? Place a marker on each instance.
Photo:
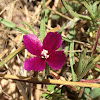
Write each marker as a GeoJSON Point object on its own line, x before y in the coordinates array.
{"type": "Point", "coordinates": [44, 53]}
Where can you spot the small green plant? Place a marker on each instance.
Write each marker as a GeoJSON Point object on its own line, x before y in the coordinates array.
{"type": "Point", "coordinates": [53, 93]}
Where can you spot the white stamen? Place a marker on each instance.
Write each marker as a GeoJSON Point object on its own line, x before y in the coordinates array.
{"type": "Point", "coordinates": [44, 54]}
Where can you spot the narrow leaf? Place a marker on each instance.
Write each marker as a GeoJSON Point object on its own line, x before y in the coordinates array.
{"type": "Point", "coordinates": [74, 14]}
{"type": "Point", "coordinates": [42, 25]}
{"type": "Point", "coordinates": [22, 30]}
{"type": "Point", "coordinates": [7, 23]}
{"type": "Point", "coordinates": [89, 66]}
{"type": "Point", "coordinates": [10, 56]}
{"type": "Point", "coordinates": [30, 27]}
{"type": "Point", "coordinates": [71, 55]}
{"type": "Point", "coordinates": [62, 28]}
{"type": "Point", "coordinates": [82, 62]}
{"type": "Point", "coordinates": [66, 39]}
{"type": "Point", "coordinates": [89, 9]}
{"type": "Point", "coordinates": [13, 26]}
{"type": "Point", "coordinates": [94, 8]}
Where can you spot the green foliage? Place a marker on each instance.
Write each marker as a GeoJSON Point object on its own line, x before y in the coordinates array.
{"type": "Point", "coordinates": [71, 48]}
{"type": "Point", "coordinates": [44, 95]}
{"type": "Point", "coordinates": [93, 10]}
{"type": "Point", "coordinates": [94, 93]}
{"type": "Point", "coordinates": [46, 15]}
{"type": "Point", "coordinates": [72, 62]}
{"type": "Point", "coordinates": [12, 25]}
{"type": "Point", "coordinates": [62, 28]}
{"type": "Point", "coordinates": [92, 7]}
{"type": "Point", "coordinates": [85, 93]}
{"type": "Point", "coordinates": [82, 62]}
{"type": "Point", "coordinates": [77, 7]}
{"type": "Point", "coordinates": [54, 94]}
{"type": "Point", "coordinates": [74, 14]}
{"type": "Point", "coordinates": [66, 39]}
{"type": "Point", "coordinates": [42, 25]}
{"type": "Point", "coordinates": [90, 93]}
{"type": "Point", "coordinates": [85, 64]}
{"type": "Point", "coordinates": [50, 88]}
{"type": "Point", "coordinates": [72, 32]}
{"type": "Point", "coordinates": [55, 17]}
{"type": "Point", "coordinates": [30, 27]}
{"type": "Point", "coordinates": [63, 10]}
{"type": "Point", "coordinates": [7, 23]}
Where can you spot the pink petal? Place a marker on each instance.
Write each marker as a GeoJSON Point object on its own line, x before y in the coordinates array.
{"type": "Point", "coordinates": [56, 59]}
{"type": "Point", "coordinates": [34, 63]}
{"type": "Point", "coordinates": [32, 44]}
{"type": "Point", "coordinates": [52, 41]}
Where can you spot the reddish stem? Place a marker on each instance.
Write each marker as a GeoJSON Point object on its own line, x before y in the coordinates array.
{"type": "Point", "coordinates": [96, 42]}
{"type": "Point", "coordinates": [97, 66]}
{"type": "Point", "coordinates": [91, 81]}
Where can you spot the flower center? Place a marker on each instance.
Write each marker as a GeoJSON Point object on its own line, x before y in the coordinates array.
{"type": "Point", "coordinates": [44, 54]}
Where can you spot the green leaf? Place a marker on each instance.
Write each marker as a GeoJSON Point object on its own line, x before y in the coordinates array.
{"type": "Point", "coordinates": [30, 27]}
{"type": "Point", "coordinates": [71, 34]}
{"type": "Point", "coordinates": [44, 95]}
{"type": "Point", "coordinates": [85, 93]}
{"type": "Point", "coordinates": [95, 93]}
{"type": "Point", "coordinates": [7, 23]}
{"type": "Point", "coordinates": [94, 8]}
{"type": "Point", "coordinates": [10, 56]}
{"type": "Point", "coordinates": [13, 26]}
{"type": "Point", "coordinates": [57, 90]}
{"type": "Point", "coordinates": [50, 88]}
{"type": "Point", "coordinates": [21, 29]}
{"type": "Point", "coordinates": [87, 67]}
{"type": "Point", "coordinates": [74, 14]}
{"type": "Point", "coordinates": [62, 28]}
{"type": "Point", "coordinates": [63, 10]}
{"type": "Point", "coordinates": [97, 58]}
{"type": "Point", "coordinates": [69, 8]}
{"type": "Point", "coordinates": [66, 49]}
{"type": "Point", "coordinates": [71, 54]}
{"type": "Point", "coordinates": [89, 9]}
{"type": "Point", "coordinates": [98, 70]}
{"type": "Point", "coordinates": [82, 62]}
{"type": "Point", "coordinates": [66, 39]}
{"type": "Point", "coordinates": [47, 13]}
{"type": "Point", "coordinates": [72, 62]}
{"type": "Point", "coordinates": [55, 17]}
{"type": "Point", "coordinates": [42, 25]}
